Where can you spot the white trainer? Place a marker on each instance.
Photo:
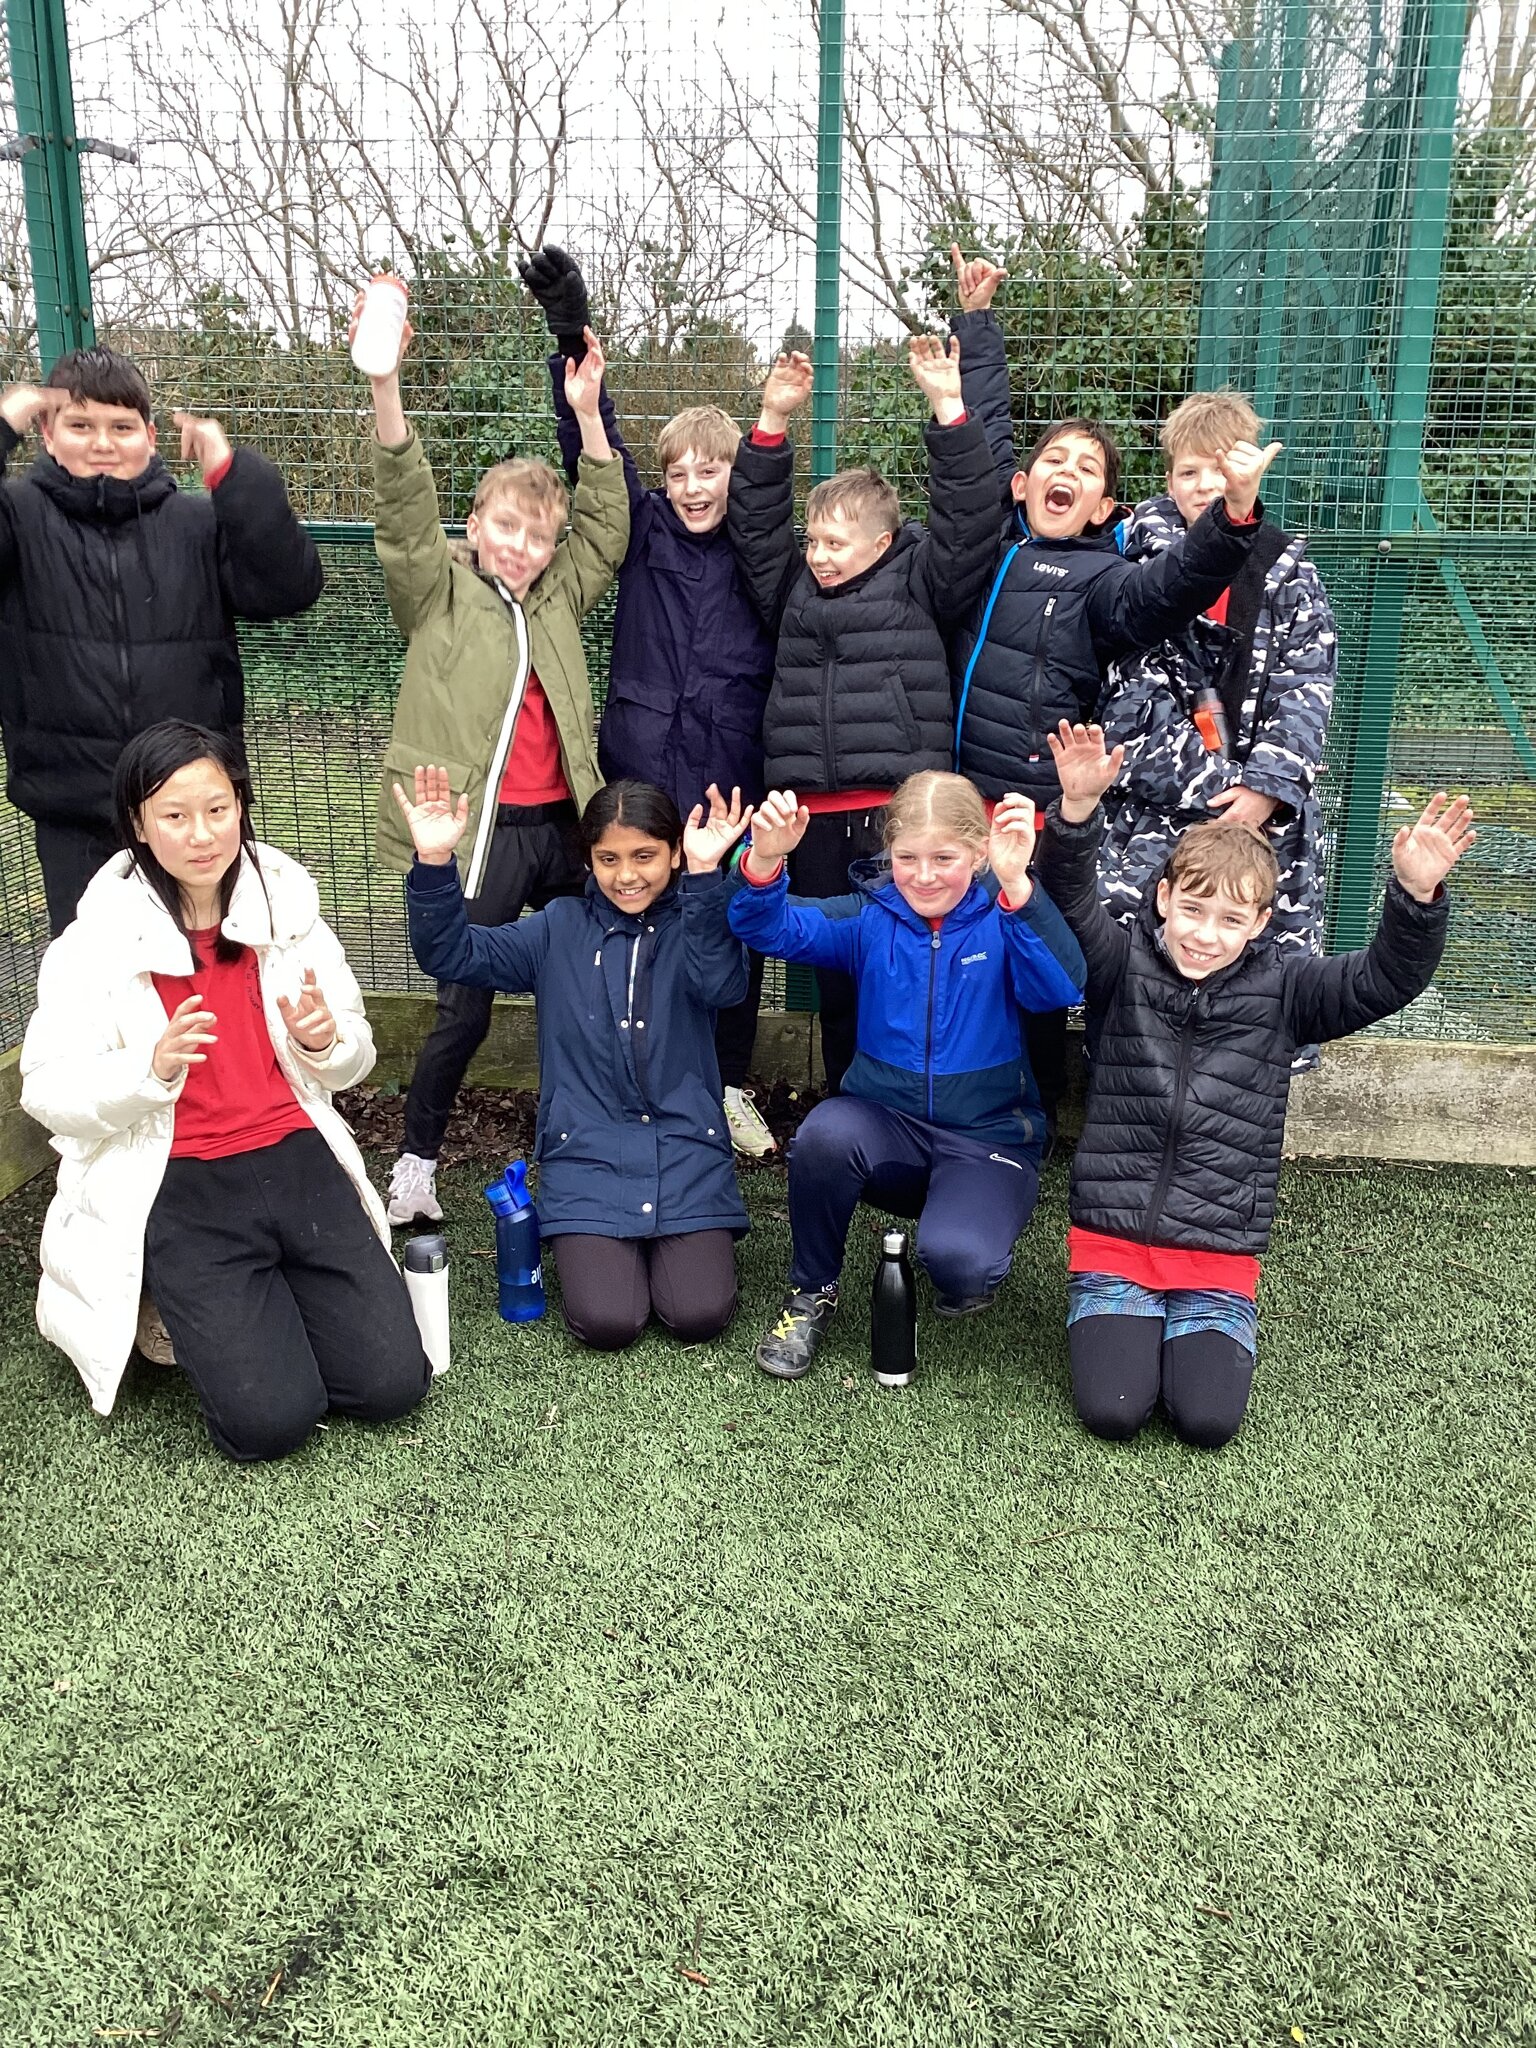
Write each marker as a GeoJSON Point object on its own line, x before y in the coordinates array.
{"type": "Point", "coordinates": [152, 1338]}
{"type": "Point", "coordinates": [749, 1133]}
{"type": "Point", "coordinates": [413, 1190]}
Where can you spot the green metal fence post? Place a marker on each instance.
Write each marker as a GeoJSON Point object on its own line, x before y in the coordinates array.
{"type": "Point", "coordinates": [1440, 28]}
{"type": "Point", "coordinates": [1213, 353]}
{"type": "Point", "coordinates": [50, 171]}
{"type": "Point", "coordinates": [829, 222]}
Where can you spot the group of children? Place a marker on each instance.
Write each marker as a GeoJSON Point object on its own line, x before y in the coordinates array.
{"type": "Point", "coordinates": [971, 771]}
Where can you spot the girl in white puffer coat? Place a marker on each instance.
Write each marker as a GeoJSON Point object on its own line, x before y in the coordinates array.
{"type": "Point", "coordinates": [191, 1026]}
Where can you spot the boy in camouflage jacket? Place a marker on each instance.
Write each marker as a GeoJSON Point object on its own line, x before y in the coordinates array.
{"type": "Point", "coordinates": [1228, 719]}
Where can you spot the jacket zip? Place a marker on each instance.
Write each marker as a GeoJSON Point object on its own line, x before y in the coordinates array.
{"type": "Point", "coordinates": [486, 823]}
{"type": "Point", "coordinates": [120, 621]}
{"type": "Point", "coordinates": [1034, 687]}
{"type": "Point", "coordinates": [1170, 1142]}
{"type": "Point", "coordinates": [933, 975]}
{"type": "Point", "coordinates": [828, 745]}
{"type": "Point", "coordinates": [981, 641]}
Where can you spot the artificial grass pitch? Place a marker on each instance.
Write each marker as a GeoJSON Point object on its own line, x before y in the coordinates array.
{"type": "Point", "coordinates": [640, 1700]}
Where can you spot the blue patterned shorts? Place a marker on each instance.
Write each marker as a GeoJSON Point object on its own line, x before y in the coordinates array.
{"type": "Point", "coordinates": [1181, 1311]}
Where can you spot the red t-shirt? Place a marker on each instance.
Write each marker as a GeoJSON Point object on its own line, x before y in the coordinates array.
{"type": "Point", "coordinates": [533, 774]}
{"type": "Point", "coordinates": [1161, 1267]}
{"type": "Point", "coordinates": [239, 1099]}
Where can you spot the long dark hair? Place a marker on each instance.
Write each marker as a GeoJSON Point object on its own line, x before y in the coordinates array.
{"type": "Point", "coordinates": [148, 761]}
{"type": "Point", "coordinates": [639, 805]}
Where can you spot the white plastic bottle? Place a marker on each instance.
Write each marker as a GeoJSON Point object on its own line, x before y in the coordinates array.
{"type": "Point", "coordinates": [426, 1281]}
{"type": "Point", "coordinates": [380, 324]}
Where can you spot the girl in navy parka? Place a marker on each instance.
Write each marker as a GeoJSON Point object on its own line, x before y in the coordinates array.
{"type": "Point", "coordinates": [938, 1116]}
{"type": "Point", "coordinates": [637, 1190]}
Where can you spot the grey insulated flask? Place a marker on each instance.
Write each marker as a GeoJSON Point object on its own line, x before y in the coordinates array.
{"type": "Point", "coordinates": [426, 1281]}
{"type": "Point", "coordinates": [893, 1314]}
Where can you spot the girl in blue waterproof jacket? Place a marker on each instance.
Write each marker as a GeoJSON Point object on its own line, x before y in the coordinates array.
{"type": "Point", "coordinates": [938, 1116]}
{"type": "Point", "coordinates": [636, 1186]}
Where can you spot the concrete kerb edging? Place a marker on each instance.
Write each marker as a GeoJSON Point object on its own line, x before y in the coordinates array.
{"type": "Point", "coordinates": [1373, 1098]}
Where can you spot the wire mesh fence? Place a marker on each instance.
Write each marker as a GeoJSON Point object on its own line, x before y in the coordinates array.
{"type": "Point", "coordinates": [1338, 215]}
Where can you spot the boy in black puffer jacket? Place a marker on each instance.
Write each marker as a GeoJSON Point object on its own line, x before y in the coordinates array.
{"type": "Point", "coordinates": [860, 697]}
{"type": "Point", "coordinates": [119, 595]}
{"type": "Point", "coordinates": [1199, 1014]}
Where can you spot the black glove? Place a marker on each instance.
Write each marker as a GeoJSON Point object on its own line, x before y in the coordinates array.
{"type": "Point", "coordinates": [557, 284]}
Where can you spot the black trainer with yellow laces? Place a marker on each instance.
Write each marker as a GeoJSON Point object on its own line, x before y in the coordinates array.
{"type": "Point", "coordinates": [788, 1349]}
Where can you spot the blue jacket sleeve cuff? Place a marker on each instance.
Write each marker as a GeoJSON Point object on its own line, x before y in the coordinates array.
{"type": "Point", "coordinates": [432, 879]}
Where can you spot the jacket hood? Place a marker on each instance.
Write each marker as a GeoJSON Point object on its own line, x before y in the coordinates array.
{"type": "Point", "coordinates": [872, 880]}
{"type": "Point", "coordinates": [1151, 927]}
{"type": "Point", "coordinates": [121, 912]}
{"type": "Point", "coordinates": [906, 537]}
{"type": "Point", "coordinates": [612, 919]}
{"type": "Point", "coordinates": [1109, 535]}
{"type": "Point", "coordinates": [103, 500]}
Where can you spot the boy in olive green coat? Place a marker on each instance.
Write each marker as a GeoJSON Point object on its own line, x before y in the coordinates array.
{"type": "Point", "coordinates": [495, 691]}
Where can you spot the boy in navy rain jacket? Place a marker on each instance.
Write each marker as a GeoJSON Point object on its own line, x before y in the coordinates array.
{"type": "Point", "coordinates": [691, 660]}
{"type": "Point", "coordinates": [938, 1117]}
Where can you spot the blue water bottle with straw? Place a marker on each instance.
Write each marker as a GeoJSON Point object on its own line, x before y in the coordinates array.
{"type": "Point", "coordinates": [519, 1275]}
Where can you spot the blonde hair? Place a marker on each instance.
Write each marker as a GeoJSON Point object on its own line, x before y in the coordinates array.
{"type": "Point", "coordinates": [1223, 855]}
{"type": "Point", "coordinates": [935, 801]}
{"type": "Point", "coordinates": [859, 494]}
{"type": "Point", "coordinates": [536, 487]}
{"type": "Point", "coordinates": [1208, 423]}
{"type": "Point", "coordinates": [703, 430]}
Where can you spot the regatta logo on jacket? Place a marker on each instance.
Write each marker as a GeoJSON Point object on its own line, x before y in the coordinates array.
{"type": "Point", "coordinates": [970, 959]}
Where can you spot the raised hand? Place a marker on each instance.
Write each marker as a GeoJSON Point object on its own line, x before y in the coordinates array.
{"type": "Point", "coordinates": [202, 441]}
{"type": "Point", "coordinates": [310, 1023]}
{"type": "Point", "coordinates": [1086, 771]}
{"type": "Point", "coordinates": [554, 280]}
{"type": "Point", "coordinates": [584, 380]}
{"type": "Point", "coordinates": [436, 823]}
{"type": "Point", "coordinates": [707, 841]}
{"type": "Point", "coordinates": [24, 404]}
{"type": "Point", "coordinates": [936, 373]}
{"type": "Point", "coordinates": [1242, 469]}
{"type": "Point", "coordinates": [1424, 853]}
{"type": "Point", "coordinates": [186, 1029]}
{"type": "Point", "coordinates": [1012, 846]}
{"type": "Point", "coordinates": [778, 825]}
{"type": "Point", "coordinates": [785, 389]}
{"type": "Point", "coordinates": [976, 282]}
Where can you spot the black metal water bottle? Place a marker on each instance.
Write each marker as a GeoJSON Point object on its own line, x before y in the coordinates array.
{"type": "Point", "coordinates": [893, 1314]}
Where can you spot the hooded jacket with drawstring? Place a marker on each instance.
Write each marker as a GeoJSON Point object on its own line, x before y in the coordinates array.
{"type": "Point", "coordinates": [118, 602]}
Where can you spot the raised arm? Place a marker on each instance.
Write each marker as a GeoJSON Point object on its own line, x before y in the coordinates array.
{"type": "Point", "coordinates": [446, 945]}
{"type": "Point", "coordinates": [1046, 970]}
{"type": "Point", "coordinates": [760, 509]}
{"type": "Point", "coordinates": [269, 567]}
{"type": "Point", "coordinates": [1146, 601]}
{"type": "Point", "coordinates": [1069, 851]}
{"type": "Point", "coordinates": [408, 535]}
{"type": "Point", "coordinates": [1331, 998]}
{"type": "Point", "coordinates": [765, 914]}
{"type": "Point", "coordinates": [984, 385]}
{"type": "Point", "coordinates": [594, 549]}
{"type": "Point", "coordinates": [960, 548]}
{"type": "Point", "coordinates": [717, 967]}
